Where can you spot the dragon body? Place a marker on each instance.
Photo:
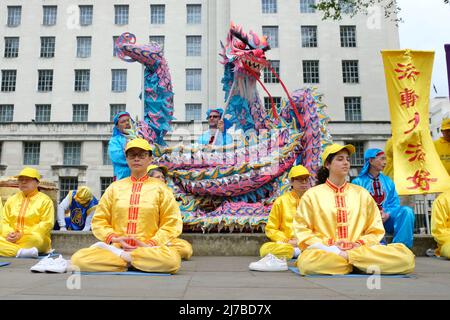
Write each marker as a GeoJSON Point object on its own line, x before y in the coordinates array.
{"type": "Point", "coordinates": [231, 187]}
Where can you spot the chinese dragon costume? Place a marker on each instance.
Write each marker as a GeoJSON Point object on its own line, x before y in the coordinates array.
{"type": "Point", "coordinates": [231, 187]}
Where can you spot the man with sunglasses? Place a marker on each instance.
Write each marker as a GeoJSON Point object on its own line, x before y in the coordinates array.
{"type": "Point", "coordinates": [135, 220]}
{"type": "Point", "coordinates": [216, 123]}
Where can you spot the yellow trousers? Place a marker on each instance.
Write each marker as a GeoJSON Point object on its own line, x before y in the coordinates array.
{"type": "Point", "coordinates": [183, 247]}
{"type": "Point", "coordinates": [280, 250]}
{"type": "Point", "coordinates": [445, 250]}
{"type": "Point", "coordinates": [149, 259]}
{"type": "Point", "coordinates": [9, 249]}
{"type": "Point", "coordinates": [390, 259]}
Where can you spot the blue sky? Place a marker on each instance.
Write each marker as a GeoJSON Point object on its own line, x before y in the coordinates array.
{"type": "Point", "coordinates": [427, 27]}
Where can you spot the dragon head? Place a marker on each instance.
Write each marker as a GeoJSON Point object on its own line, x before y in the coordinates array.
{"type": "Point", "coordinates": [245, 51]}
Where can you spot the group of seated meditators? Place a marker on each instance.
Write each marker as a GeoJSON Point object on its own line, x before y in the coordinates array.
{"type": "Point", "coordinates": [331, 228]}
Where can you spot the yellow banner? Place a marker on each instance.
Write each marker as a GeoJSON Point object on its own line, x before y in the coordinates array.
{"type": "Point", "coordinates": [417, 166]}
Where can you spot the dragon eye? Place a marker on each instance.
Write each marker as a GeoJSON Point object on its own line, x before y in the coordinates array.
{"type": "Point", "coordinates": [240, 45]}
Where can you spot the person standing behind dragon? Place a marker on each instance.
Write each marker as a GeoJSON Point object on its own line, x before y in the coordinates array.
{"type": "Point", "coordinates": [117, 144]}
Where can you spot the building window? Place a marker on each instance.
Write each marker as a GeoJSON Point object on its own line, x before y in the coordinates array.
{"type": "Point", "coordinates": [357, 159]}
{"type": "Point", "coordinates": [193, 79]}
{"type": "Point", "coordinates": [114, 45]}
{"type": "Point", "coordinates": [157, 13]}
{"type": "Point", "coordinates": [104, 183]}
{"type": "Point", "coordinates": [307, 6]}
{"type": "Point", "coordinates": [159, 40]}
{"type": "Point", "coordinates": [65, 185]}
{"type": "Point", "coordinates": [86, 14]}
{"type": "Point", "coordinates": [346, 6]}
{"type": "Point", "coordinates": [348, 36]}
{"type": "Point", "coordinates": [14, 16]}
{"type": "Point", "coordinates": [271, 33]}
{"type": "Point", "coordinates": [11, 47]}
{"type": "Point", "coordinates": [311, 71]}
{"type": "Point", "coordinates": [6, 112]}
{"type": "Point", "coordinates": [9, 80]}
{"type": "Point", "coordinates": [268, 103]}
{"type": "Point", "coordinates": [80, 112]}
{"type": "Point", "coordinates": [350, 71]}
{"type": "Point", "coordinates": [47, 47]}
{"type": "Point", "coordinates": [31, 152]}
{"type": "Point", "coordinates": [193, 112]}
{"type": "Point", "coordinates": [269, 6]}
{"type": "Point", "coordinates": [115, 109]}
{"type": "Point", "coordinates": [43, 112]}
{"type": "Point", "coordinates": [82, 80]}
{"type": "Point", "coordinates": [84, 47]}
{"type": "Point", "coordinates": [352, 108]}
{"type": "Point", "coordinates": [49, 15]}
{"type": "Point", "coordinates": [45, 80]}
{"type": "Point", "coordinates": [72, 153]}
{"type": "Point", "coordinates": [119, 80]}
{"type": "Point", "coordinates": [269, 77]}
{"type": "Point", "coordinates": [309, 36]}
{"type": "Point", "coordinates": [121, 14]}
{"type": "Point", "coordinates": [193, 46]}
{"type": "Point", "coordinates": [194, 13]}
{"type": "Point", "coordinates": [106, 159]}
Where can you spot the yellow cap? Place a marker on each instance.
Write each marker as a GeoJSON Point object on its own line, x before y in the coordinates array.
{"type": "Point", "coordinates": [335, 148]}
{"type": "Point", "coordinates": [29, 172]}
{"type": "Point", "coordinates": [445, 124]}
{"type": "Point", "coordinates": [298, 171]}
{"type": "Point", "coordinates": [138, 143]}
{"type": "Point", "coordinates": [154, 166]}
{"type": "Point", "coordinates": [83, 195]}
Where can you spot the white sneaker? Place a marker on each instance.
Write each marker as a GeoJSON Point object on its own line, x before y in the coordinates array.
{"type": "Point", "coordinates": [40, 266]}
{"type": "Point", "coordinates": [58, 265]}
{"type": "Point", "coordinates": [269, 263]}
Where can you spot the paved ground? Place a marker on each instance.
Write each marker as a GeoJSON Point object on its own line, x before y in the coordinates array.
{"type": "Point", "coordinates": [226, 278]}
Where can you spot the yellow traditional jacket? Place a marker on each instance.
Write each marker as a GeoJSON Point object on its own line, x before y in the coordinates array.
{"type": "Point", "coordinates": [440, 220]}
{"type": "Point", "coordinates": [443, 149]}
{"type": "Point", "coordinates": [279, 225]}
{"type": "Point", "coordinates": [327, 214]}
{"type": "Point", "coordinates": [32, 215]}
{"type": "Point", "coordinates": [144, 209]}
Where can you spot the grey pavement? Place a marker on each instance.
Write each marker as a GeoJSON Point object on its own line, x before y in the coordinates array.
{"type": "Point", "coordinates": [222, 278]}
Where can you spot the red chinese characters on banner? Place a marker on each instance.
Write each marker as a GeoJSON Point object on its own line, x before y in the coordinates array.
{"type": "Point", "coordinates": [416, 121]}
{"type": "Point", "coordinates": [409, 98]}
{"type": "Point", "coordinates": [407, 71]}
{"type": "Point", "coordinates": [417, 153]}
{"type": "Point", "coordinates": [421, 180]}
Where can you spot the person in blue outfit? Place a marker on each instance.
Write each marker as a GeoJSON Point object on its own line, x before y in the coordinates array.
{"type": "Point", "coordinates": [398, 220]}
{"type": "Point", "coordinates": [117, 144]}
{"type": "Point", "coordinates": [215, 121]}
{"type": "Point", "coordinates": [75, 212]}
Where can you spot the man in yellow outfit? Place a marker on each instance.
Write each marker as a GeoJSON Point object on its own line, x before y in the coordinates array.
{"type": "Point", "coordinates": [338, 225]}
{"type": "Point", "coordinates": [134, 220]}
{"type": "Point", "coordinates": [27, 219]}
{"type": "Point", "coordinates": [279, 227]}
{"type": "Point", "coordinates": [183, 247]}
{"type": "Point", "coordinates": [442, 145]}
{"type": "Point", "coordinates": [440, 224]}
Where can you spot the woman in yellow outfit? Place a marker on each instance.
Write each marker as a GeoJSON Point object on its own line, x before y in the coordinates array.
{"type": "Point", "coordinates": [338, 225]}
{"type": "Point", "coordinates": [183, 247]}
{"type": "Point", "coordinates": [27, 219]}
{"type": "Point", "coordinates": [440, 224]}
{"type": "Point", "coordinates": [135, 219]}
{"type": "Point", "coordinates": [283, 244]}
